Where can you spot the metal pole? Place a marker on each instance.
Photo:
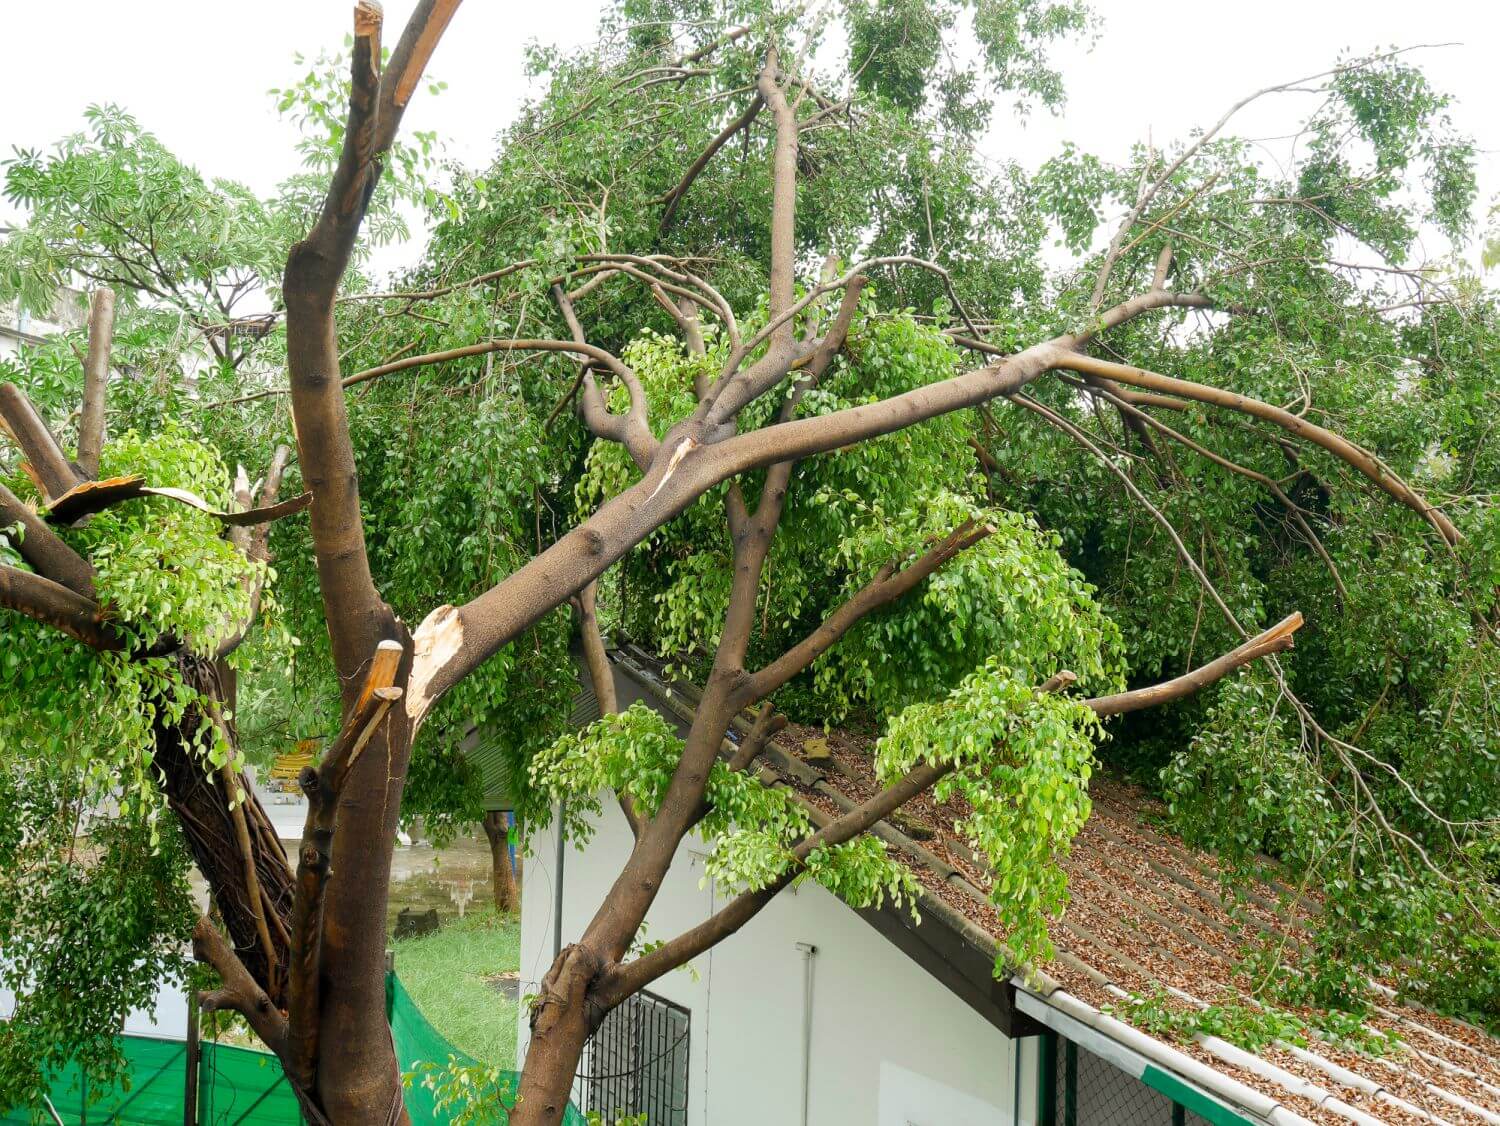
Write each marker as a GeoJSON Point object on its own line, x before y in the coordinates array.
{"type": "Point", "coordinates": [1070, 1083]}
{"type": "Point", "coordinates": [190, 1082]}
{"type": "Point", "coordinates": [808, 950]}
{"type": "Point", "coordinates": [557, 895]}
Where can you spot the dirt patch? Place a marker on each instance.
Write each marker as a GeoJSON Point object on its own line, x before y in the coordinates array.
{"type": "Point", "coordinates": [507, 984]}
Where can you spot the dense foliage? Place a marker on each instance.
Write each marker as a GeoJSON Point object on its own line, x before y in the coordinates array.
{"type": "Point", "coordinates": [1130, 536]}
{"type": "Point", "coordinates": [1365, 765]}
{"type": "Point", "coordinates": [94, 904]}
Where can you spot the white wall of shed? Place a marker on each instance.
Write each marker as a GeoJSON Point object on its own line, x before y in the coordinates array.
{"type": "Point", "coordinates": [890, 1045]}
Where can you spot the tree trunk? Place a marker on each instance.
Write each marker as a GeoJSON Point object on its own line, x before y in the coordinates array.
{"type": "Point", "coordinates": [358, 1079]}
{"type": "Point", "coordinates": [197, 796]}
{"type": "Point", "coordinates": [507, 895]}
{"type": "Point", "coordinates": [562, 1020]}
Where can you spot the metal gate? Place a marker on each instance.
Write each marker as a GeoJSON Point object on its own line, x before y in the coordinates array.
{"type": "Point", "coordinates": [637, 1063]}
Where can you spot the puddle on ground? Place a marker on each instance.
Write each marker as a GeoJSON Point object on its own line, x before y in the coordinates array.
{"type": "Point", "coordinates": [452, 880]}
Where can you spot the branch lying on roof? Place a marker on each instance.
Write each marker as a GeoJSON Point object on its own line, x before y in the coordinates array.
{"type": "Point", "coordinates": [623, 980]}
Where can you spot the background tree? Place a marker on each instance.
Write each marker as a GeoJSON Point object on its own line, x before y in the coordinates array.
{"type": "Point", "coordinates": [709, 429]}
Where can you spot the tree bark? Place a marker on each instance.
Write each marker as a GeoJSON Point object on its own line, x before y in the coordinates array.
{"type": "Point", "coordinates": [359, 1081]}
{"type": "Point", "coordinates": [562, 1020]}
{"type": "Point", "coordinates": [198, 798]}
{"type": "Point", "coordinates": [507, 894]}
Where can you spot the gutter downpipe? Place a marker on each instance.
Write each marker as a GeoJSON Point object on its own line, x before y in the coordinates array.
{"type": "Point", "coordinates": [557, 896]}
{"type": "Point", "coordinates": [808, 951]}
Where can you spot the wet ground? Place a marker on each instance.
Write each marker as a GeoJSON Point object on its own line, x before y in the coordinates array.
{"type": "Point", "coordinates": [451, 881]}
{"type": "Point", "coordinates": [423, 878]}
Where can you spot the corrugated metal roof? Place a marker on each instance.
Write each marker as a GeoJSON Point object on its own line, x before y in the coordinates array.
{"type": "Point", "coordinates": [486, 749]}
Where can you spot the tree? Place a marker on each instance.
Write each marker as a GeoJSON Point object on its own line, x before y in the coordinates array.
{"type": "Point", "coordinates": [703, 450]}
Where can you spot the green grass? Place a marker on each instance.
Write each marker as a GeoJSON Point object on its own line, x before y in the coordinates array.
{"type": "Point", "coordinates": [445, 975]}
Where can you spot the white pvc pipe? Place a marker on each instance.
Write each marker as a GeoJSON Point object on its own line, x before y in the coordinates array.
{"type": "Point", "coordinates": [808, 950]}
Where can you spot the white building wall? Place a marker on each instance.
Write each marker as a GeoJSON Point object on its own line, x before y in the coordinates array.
{"type": "Point", "coordinates": [889, 1045]}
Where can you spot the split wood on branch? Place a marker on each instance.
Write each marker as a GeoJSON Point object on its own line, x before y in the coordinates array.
{"type": "Point", "coordinates": [322, 785]}
{"type": "Point", "coordinates": [90, 497]}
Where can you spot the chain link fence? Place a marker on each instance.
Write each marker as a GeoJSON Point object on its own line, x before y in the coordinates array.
{"type": "Point", "coordinates": [1082, 1089]}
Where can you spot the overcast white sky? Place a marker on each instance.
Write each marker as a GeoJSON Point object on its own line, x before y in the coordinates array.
{"type": "Point", "coordinates": [196, 73]}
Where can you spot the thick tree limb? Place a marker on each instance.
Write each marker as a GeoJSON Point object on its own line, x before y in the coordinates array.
{"type": "Point", "coordinates": [46, 464]}
{"type": "Point", "coordinates": [323, 785]}
{"type": "Point", "coordinates": [1341, 448]}
{"type": "Point", "coordinates": [55, 605]}
{"type": "Point", "coordinates": [621, 981]}
{"type": "Point", "coordinates": [43, 549]}
{"type": "Point", "coordinates": [686, 466]}
{"type": "Point", "coordinates": [683, 470]}
{"type": "Point", "coordinates": [240, 993]}
{"type": "Point", "coordinates": [356, 615]}
{"type": "Point", "coordinates": [96, 380]}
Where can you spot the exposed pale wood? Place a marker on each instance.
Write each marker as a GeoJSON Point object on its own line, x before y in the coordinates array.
{"type": "Point", "coordinates": [383, 664]}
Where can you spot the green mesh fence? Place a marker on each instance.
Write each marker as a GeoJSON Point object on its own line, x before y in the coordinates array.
{"type": "Point", "coordinates": [418, 1043]}
{"type": "Point", "coordinates": [235, 1086]}
{"type": "Point", "coordinates": [240, 1087]}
